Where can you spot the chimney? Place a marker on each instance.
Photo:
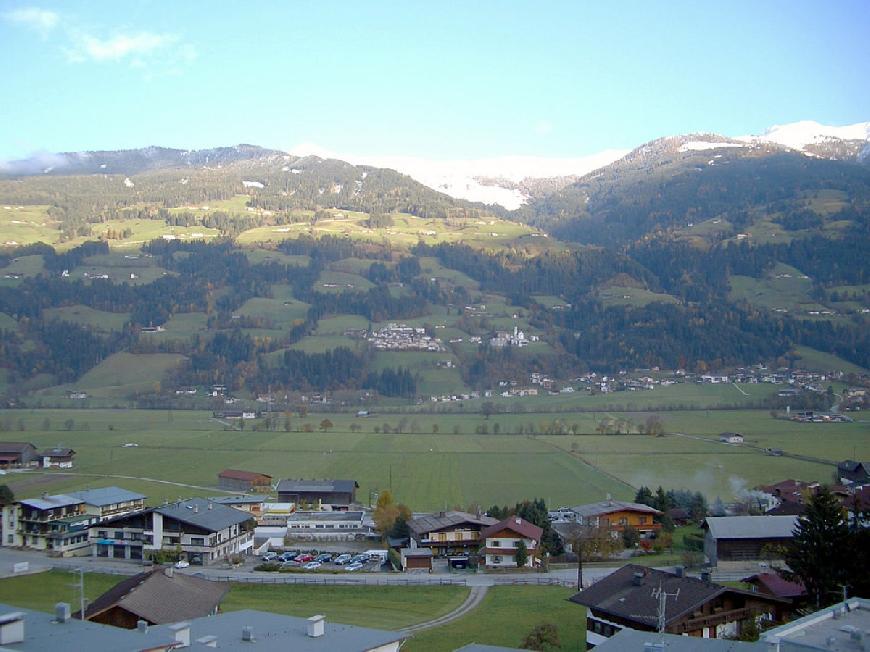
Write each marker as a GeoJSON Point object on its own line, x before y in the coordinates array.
{"type": "Point", "coordinates": [316, 626]}
{"type": "Point", "coordinates": [181, 633]}
{"type": "Point", "coordinates": [196, 509]}
{"type": "Point", "coordinates": [62, 612]}
{"type": "Point", "coordinates": [248, 634]}
{"type": "Point", "coordinates": [12, 628]}
{"type": "Point", "coordinates": [142, 626]}
{"type": "Point", "coordinates": [210, 505]}
{"type": "Point", "coordinates": [208, 641]}
{"type": "Point", "coordinates": [518, 520]}
{"type": "Point", "coordinates": [706, 576]}
{"type": "Point", "coordinates": [637, 579]}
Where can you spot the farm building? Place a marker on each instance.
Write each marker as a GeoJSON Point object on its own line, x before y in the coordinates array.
{"type": "Point", "coordinates": [17, 453]}
{"type": "Point", "coordinates": [744, 538]}
{"type": "Point", "coordinates": [58, 458]}
{"type": "Point", "coordinates": [337, 494]}
{"type": "Point", "coordinates": [501, 540]}
{"type": "Point", "coordinates": [852, 472]}
{"type": "Point", "coordinates": [629, 598]}
{"type": "Point", "coordinates": [449, 533]}
{"type": "Point", "coordinates": [617, 515]}
{"type": "Point", "coordinates": [205, 532]}
{"type": "Point", "coordinates": [157, 596]}
{"type": "Point", "coordinates": [731, 438]}
{"type": "Point", "coordinates": [416, 559]}
{"type": "Point", "coordinates": [236, 480]}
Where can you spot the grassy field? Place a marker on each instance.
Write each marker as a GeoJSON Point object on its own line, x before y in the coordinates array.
{"type": "Point", "coordinates": [122, 374]}
{"type": "Point", "coordinates": [42, 591]}
{"type": "Point", "coordinates": [98, 320]}
{"type": "Point", "coordinates": [506, 615]}
{"type": "Point", "coordinates": [280, 313]}
{"type": "Point", "coordinates": [821, 361]}
{"type": "Point", "coordinates": [382, 607]}
{"type": "Point", "coordinates": [635, 297]}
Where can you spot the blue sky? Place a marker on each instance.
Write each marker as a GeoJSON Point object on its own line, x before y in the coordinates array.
{"type": "Point", "coordinates": [433, 79]}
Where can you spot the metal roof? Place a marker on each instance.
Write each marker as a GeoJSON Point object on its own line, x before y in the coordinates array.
{"type": "Point", "coordinates": [106, 496]}
{"type": "Point", "coordinates": [51, 502]}
{"type": "Point", "coordinates": [445, 520]}
{"type": "Point", "coordinates": [204, 514]}
{"type": "Point", "coordinates": [320, 486]}
{"type": "Point", "coordinates": [326, 516]}
{"type": "Point", "coordinates": [751, 527]}
{"type": "Point", "coordinates": [632, 640]}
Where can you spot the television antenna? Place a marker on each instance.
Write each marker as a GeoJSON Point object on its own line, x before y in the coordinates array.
{"type": "Point", "coordinates": [662, 596]}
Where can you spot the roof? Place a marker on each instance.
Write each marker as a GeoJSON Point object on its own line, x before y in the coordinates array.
{"type": "Point", "coordinates": [777, 585]}
{"type": "Point", "coordinates": [515, 524]}
{"type": "Point", "coordinates": [51, 502]}
{"type": "Point", "coordinates": [272, 633]}
{"type": "Point", "coordinates": [204, 514]}
{"type": "Point", "coordinates": [751, 527]}
{"type": "Point", "coordinates": [326, 516]}
{"type": "Point", "coordinates": [106, 496]}
{"type": "Point", "coordinates": [632, 640]}
{"type": "Point", "coordinates": [238, 500]}
{"type": "Point", "coordinates": [477, 647]}
{"type": "Point", "coordinates": [618, 595]}
{"type": "Point", "coordinates": [611, 506]}
{"type": "Point", "coordinates": [850, 465]}
{"type": "Point", "coordinates": [319, 486]}
{"type": "Point", "coordinates": [446, 520]}
{"type": "Point", "coordinates": [236, 474]}
{"type": "Point", "coordinates": [161, 596]}
{"type": "Point", "coordinates": [15, 446]}
{"type": "Point", "coordinates": [823, 631]}
{"type": "Point", "coordinates": [416, 552]}
{"type": "Point", "coordinates": [57, 452]}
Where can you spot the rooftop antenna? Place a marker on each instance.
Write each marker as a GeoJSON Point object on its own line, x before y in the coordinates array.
{"type": "Point", "coordinates": [80, 584]}
{"type": "Point", "coordinates": [662, 596]}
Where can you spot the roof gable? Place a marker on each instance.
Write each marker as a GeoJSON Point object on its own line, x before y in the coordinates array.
{"type": "Point", "coordinates": [203, 513]}
{"type": "Point", "coordinates": [751, 527]}
{"type": "Point", "coordinates": [514, 524]}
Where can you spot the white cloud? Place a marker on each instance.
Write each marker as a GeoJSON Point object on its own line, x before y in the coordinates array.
{"type": "Point", "coordinates": [42, 20]}
{"type": "Point", "coordinates": [87, 47]}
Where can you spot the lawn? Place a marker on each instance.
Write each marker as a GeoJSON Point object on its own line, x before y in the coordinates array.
{"type": "Point", "coordinates": [506, 615]}
{"type": "Point", "coordinates": [124, 374]}
{"type": "Point", "coordinates": [382, 607]}
{"type": "Point", "coordinates": [41, 591]}
{"type": "Point", "coordinates": [821, 361]}
{"type": "Point", "coordinates": [635, 297]}
{"type": "Point", "coordinates": [98, 320]}
{"type": "Point", "coordinates": [274, 313]}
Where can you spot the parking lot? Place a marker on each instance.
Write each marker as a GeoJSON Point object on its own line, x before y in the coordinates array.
{"type": "Point", "coordinates": [314, 560]}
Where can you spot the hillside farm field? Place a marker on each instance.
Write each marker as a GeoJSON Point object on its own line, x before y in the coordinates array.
{"type": "Point", "coordinates": [426, 469]}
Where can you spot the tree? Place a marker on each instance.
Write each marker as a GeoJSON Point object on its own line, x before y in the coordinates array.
{"type": "Point", "coordinates": [385, 513]}
{"type": "Point", "coordinates": [488, 408]}
{"type": "Point", "coordinates": [543, 637]}
{"type": "Point", "coordinates": [654, 425]}
{"type": "Point", "coordinates": [644, 496]}
{"type": "Point", "coordinates": [6, 495]}
{"type": "Point", "coordinates": [630, 537]}
{"type": "Point", "coordinates": [589, 543]}
{"type": "Point", "coordinates": [325, 425]}
{"type": "Point", "coordinates": [522, 554]}
{"type": "Point", "coordinates": [819, 553]}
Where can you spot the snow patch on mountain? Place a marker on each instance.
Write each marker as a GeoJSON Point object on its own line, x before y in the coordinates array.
{"type": "Point", "coordinates": [701, 145]}
{"type": "Point", "coordinates": [797, 135]}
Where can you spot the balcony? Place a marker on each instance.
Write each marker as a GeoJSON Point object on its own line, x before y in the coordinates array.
{"type": "Point", "coordinates": [718, 618]}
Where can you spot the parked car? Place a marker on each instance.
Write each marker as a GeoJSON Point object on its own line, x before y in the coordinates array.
{"type": "Point", "coordinates": [304, 558]}
{"type": "Point", "coordinates": [323, 558]}
{"type": "Point", "coordinates": [353, 567]}
{"type": "Point", "coordinates": [181, 563]}
{"type": "Point", "coordinates": [360, 559]}
{"type": "Point", "coordinates": [311, 565]}
{"type": "Point", "coordinates": [289, 564]}
{"type": "Point", "coordinates": [341, 560]}
{"type": "Point", "coordinates": [287, 556]}
{"type": "Point", "coordinates": [269, 556]}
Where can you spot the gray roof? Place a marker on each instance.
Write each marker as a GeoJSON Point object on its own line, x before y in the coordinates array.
{"type": "Point", "coordinates": [319, 486]}
{"type": "Point", "coordinates": [51, 502]}
{"type": "Point", "coordinates": [204, 514]}
{"type": "Point", "coordinates": [272, 633]}
{"type": "Point", "coordinates": [239, 500]}
{"type": "Point", "coordinates": [813, 632]}
{"type": "Point", "coordinates": [447, 520]}
{"type": "Point", "coordinates": [751, 527]}
{"type": "Point", "coordinates": [15, 446]}
{"type": "Point", "coordinates": [631, 640]}
{"type": "Point", "coordinates": [416, 552]}
{"type": "Point", "coordinates": [325, 516]}
{"type": "Point", "coordinates": [106, 496]}
{"type": "Point", "coordinates": [610, 506]}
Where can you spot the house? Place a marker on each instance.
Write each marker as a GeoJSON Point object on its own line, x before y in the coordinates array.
{"type": "Point", "coordinates": [842, 626]}
{"type": "Point", "coordinates": [36, 631]}
{"type": "Point", "coordinates": [337, 494]}
{"type": "Point", "coordinates": [236, 480]}
{"type": "Point", "coordinates": [795, 593]}
{"type": "Point", "coordinates": [57, 524]}
{"type": "Point", "coordinates": [745, 538]}
{"type": "Point", "coordinates": [251, 504]}
{"type": "Point", "coordinates": [203, 530]}
{"type": "Point", "coordinates": [618, 515]}
{"type": "Point", "coordinates": [157, 596]}
{"type": "Point", "coordinates": [788, 491]}
{"type": "Point", "coordinates": [108, 502]}
{"type": "Point", "coordinates": [632, 597]}
{"type": "Point", "coordinates": [852, 472]}
{"type": "Point", "coordinates": [449, 533]}
{"type": "Point", "coordinates": [338, 525]}
{"type": "Point", "coordinates": [731, 438]}
{"type": "Point", "coordinates": [501, 539]}
{"type": "Point", "coordinates": [17, 453]}
{"type": "Point", "coordinates": [416, 559]}
{"type": "Point", "coordinates": [630, 640]}
{"type": "Point", "coordinates": [59, 458]}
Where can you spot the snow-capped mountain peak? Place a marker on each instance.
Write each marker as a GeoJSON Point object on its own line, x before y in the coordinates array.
{"type": "Point", "coordinates": [799, 135]}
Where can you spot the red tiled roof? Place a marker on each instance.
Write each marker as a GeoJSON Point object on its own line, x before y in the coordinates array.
{"type": "Point", "coordinates": [514, 524]}
{"type": "Point", "coordinates": [778, 586]}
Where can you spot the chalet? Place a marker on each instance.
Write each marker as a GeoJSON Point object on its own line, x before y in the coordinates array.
{"type": "Point", "coordinates": [731, 438]}
{"type": "Point", "coordinates": [236, 480]}
{"type": "Point", "coordinates": [57, 524]}
{"type": "Point", "coordinates": [17, 453]}
{"type": "Point", "coordinates": [202, 530]}
{"type": "Point", "coordinates": [449, 533]}
{"type": "Point", "coordinates": [618, 515]}
{"type": "Point", "coordinates": [337, 494]}
{"type": "Point", "coordinates": [632, 596]}
{"type": "Point", "coordinates": [413, 559]}
{"type": "Point", "coordinates": [745, 538]}
{"type": "Point", "coordinates": [501, 539]}
{"type": "Point", "coordinates": [794, 593]}
{"type": "Point", "coordinates": [157, 596]}
{"type": "Point", "coordinates": [57, 458]}
{"type": "Point", "coordinates": [852, 472]}
{"type": "Point", "coordinates": [109, 502]}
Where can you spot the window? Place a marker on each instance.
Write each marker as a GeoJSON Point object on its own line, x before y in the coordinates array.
{"type": "Point", "coordinates": [495, 544]}
{"type": "Point", "coordinates": [642, 520]}
{"type": "Point", "coordinates": [197, 541]}
{"type": "Point", "coordinates": [623, 521]}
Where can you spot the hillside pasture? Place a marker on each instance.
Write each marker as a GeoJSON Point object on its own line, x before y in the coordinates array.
{"type": "Point", "coordinates": [21, 267]}
{"type": "Point", "coordinates": [124, 374]}
{"type": "Point", "coordinates": [336, 282]}
{"type": "Point", "coordinates": [97, 320]}
{"type": "Point", "coordinates": [23, 225]}
{"type": "Point", "coordinates": [634, 297]}
{"type": "Point", "coordinates": [277, 313]}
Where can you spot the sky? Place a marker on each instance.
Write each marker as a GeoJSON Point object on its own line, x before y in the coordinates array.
{"type": "Point", "coordinates": [433, 79]}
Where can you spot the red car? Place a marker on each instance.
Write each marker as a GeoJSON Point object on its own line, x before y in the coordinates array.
{"type": "Point", "coordinates": [304, 559]}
